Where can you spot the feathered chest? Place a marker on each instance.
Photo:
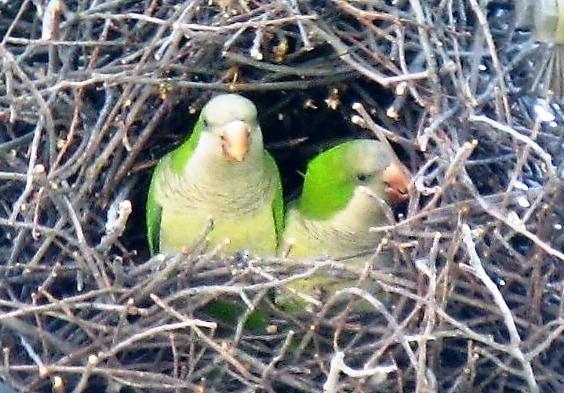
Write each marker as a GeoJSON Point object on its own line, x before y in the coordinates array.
{"type": "Point", "coordinates": [344, 233]}
{"type": "Point", "coordinates": [227, 189]}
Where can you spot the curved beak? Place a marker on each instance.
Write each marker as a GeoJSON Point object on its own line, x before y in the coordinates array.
{"type": "Point", "coordinates": [396, 178]}
{"type": "Point", "coordinates": [235, 140]}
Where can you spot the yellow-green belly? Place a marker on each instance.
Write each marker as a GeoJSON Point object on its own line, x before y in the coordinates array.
{"type": "Point", "coordinates": [322, 242]}
{"type": "Point", "coordinates": [253, 233]}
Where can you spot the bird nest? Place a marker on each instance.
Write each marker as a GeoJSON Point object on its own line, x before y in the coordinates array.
{"type": "Point", "coordinates": [93, 93]}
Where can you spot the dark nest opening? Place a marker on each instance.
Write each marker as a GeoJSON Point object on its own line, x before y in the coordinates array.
{"type": "Point", "coordinates": [93, 93]}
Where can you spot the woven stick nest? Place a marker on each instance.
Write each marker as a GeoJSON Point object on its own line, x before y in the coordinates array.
{"type": "Point", "coordinates": [93, 93]}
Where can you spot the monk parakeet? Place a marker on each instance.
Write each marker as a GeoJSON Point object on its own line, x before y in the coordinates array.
{"type": "Point", "coordinates": [220, 173]}
{"type": "Point", "coordinates": [336, 209]}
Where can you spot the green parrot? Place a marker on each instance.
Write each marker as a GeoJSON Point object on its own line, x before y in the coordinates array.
{"type": "Point", "coordinates": [336, 209]}
{"type": "Point", "coordinates": [220, 173]}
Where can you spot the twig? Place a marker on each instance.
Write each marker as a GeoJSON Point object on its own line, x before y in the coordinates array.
{"type": "Point", "coordinates": [338, 365]}
{"type": "Point", "coordinates": [515, 340]}
{"type": "Point", "coordinates": [520, 137]}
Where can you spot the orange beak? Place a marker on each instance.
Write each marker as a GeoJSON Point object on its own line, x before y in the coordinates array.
{"type": "Point", "coordinates": [396, 178]}
{"type": "Point", "coordinates": [235, 139]}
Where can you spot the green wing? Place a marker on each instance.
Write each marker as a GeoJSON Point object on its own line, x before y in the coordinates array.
{"type": "Point", "coordinates": [278, 201]}
{"type": "Point", "coordinates": [180, 156]}
{"type": "Point", "coordinates": [153, 213]}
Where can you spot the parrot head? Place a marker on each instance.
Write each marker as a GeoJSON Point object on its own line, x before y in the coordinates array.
{"type": "Point", "coordinates": [351, 174]}
{"type": "Point", "coordinates": [369, 170]}
{"type": "Point", "coordinates": [229, 127]}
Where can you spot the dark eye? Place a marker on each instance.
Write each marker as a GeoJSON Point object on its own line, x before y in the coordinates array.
{"type": "Point", "coordinates": [362, 177]}
{"type": "Point", "coordinates": [204, 123]}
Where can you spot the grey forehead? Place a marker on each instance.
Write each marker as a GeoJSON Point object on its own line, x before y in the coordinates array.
{"type": "Point", "coordinates": [228, 107]}
{"type": "Point", "coordinates": [370, 156]}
